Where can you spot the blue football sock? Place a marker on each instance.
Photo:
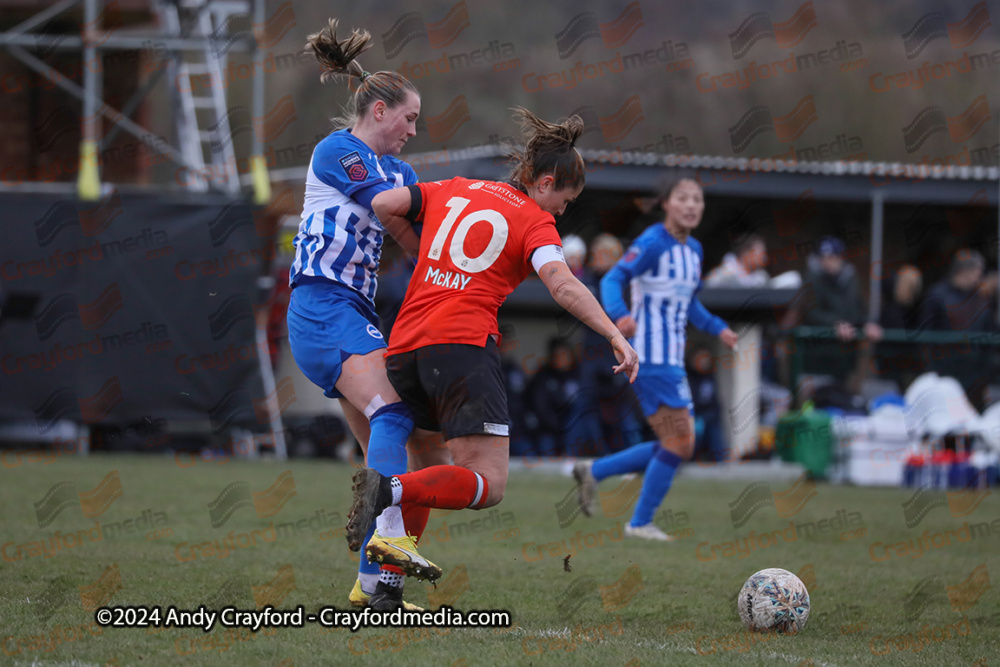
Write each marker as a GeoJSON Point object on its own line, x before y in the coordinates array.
{"type": "Point", "coordinates": [391, 425]}
{"type": "Point", "coordinates": [633, 459]}
{"type": "Point", "coordinates": [655, 484]}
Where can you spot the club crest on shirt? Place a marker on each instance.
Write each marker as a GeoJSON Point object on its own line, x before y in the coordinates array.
{"type": "Point", "coordinates": [684, 390]}
{"type": "Point", "coordinates": [373, 331]}
{"type": "Point", "coordinates": [354, 166]}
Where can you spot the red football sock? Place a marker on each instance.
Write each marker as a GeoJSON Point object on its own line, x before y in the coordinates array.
{"type": "Point", "coordinates": [415, 519]}
{"type": "Point", "coordinates": [444, 487]}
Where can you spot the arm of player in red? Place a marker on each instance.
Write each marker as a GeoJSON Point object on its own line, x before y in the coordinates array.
{"type": "Point", "coordinates": [392, 208]}
{"type": "Point", "coordinates": [574, 296]}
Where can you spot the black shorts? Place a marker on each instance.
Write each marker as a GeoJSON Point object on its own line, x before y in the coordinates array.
{"type": "Point", "coordinates": [452, 388]}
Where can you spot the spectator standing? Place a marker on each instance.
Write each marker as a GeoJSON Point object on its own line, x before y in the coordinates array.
{"type": "Point", "coordinates": [957, 303]}
{"type": "Point", "coordinates": [838, 297]}
{"type": "Point", "coordinates": [837, 304]}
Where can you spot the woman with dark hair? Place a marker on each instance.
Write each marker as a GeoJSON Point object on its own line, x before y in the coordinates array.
{"type": "Point", "coordinates": [663, 269]}
{"type": "Point", "coordinates": [332, 325]}
{"type": "Point", "coordinates": [480, 240]}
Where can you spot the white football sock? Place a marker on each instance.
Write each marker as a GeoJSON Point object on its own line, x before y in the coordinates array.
{"type": "Point", "coordinates": [390, 522]}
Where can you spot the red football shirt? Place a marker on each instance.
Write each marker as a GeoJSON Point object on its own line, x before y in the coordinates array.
{"type": "Point", "coordinates": [475, 249]}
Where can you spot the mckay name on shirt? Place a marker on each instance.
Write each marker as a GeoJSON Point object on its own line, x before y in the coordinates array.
{"type": "Point", "coordinates": [447, 279]}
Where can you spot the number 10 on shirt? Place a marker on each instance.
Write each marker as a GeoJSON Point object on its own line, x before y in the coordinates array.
{"type": "Point", "coordinates": [485, 259]}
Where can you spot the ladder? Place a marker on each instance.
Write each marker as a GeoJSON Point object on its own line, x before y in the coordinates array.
{"type": "Point", "coordinates": [205, 126]}
{"type": "Point", "coordinates": [198, 90]}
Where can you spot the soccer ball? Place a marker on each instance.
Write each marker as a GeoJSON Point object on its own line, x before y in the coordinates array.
{"type": "Point", "coordinates": [774, 600]}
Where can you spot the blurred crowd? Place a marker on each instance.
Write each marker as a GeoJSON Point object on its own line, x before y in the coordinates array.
{"type": "Point", "coordinates": [575, 406]}
{"type": "Point", "coordinates": [896, 340]}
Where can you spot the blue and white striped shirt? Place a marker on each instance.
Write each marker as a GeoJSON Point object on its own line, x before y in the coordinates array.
{"type": "Point", "coordinates": [664, 276]}
{"type": "Point", "coordinates": [340, 239]}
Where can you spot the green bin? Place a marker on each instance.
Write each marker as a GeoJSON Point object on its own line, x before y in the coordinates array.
{"type": "Point", "coordinates": [805, 436]}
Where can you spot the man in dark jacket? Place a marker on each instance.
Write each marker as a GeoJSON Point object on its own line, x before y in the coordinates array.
{"type": "Point", "coordinates": [838, 297]}
{"type": "Point", "coordinates": [955, 304]}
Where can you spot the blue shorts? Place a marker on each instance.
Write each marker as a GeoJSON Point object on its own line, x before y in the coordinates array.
{"type": "Point", "coordinates": [327, 323]}
{"type": "Point", "coordinates": [669, 388]}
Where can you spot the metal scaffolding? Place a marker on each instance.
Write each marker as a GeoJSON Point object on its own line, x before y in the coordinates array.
{"type": "Point", "coordinates": [197, 39]}
{"type": "Point", "coordinates": [195, 34]}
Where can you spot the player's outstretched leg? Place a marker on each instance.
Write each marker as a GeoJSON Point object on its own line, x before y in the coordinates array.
{"type": "Point", "coordinates": [424, 449]}
{"type": "Point", "coordinates": [397, 543]}
{"type": "Point", "coordinates": [589, 473]}
{"type": "Point", "coordinates": [675, 430]}
{"type": "Point", "coordinates": [375, 412]}
{"type": "Point", "coordinates": [390, 426]}
{"type": "Point", "coordinates": [655, 485]}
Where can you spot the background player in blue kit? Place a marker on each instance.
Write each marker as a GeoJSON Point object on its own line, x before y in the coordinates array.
{"type": "Point", "coordinates": [663, 269]}
{"type": "Point", "coordinates": [332, 326]}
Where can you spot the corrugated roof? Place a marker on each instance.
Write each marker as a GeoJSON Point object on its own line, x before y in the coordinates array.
{"type": "Point", "coordinates": [765, 165]}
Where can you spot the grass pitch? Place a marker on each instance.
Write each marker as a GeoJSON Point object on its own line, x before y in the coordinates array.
{"type": "Point", "coordinates": [187, 532]}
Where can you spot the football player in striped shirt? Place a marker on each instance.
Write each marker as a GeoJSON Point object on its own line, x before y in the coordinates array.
{"type": "Point", "coordinates": [332, 326]}
{"type": "Point", "coordinates": [663, 270]}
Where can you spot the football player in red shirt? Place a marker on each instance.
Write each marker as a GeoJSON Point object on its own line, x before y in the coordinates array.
{"type": "Point", "coordinates": [480, 240]}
